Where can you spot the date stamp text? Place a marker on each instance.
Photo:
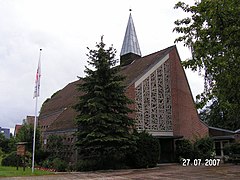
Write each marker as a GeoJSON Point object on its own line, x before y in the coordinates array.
{"type": "Point", "coordinates": [200, 162]}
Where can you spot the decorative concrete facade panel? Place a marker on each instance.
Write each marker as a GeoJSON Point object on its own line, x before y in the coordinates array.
{"type": "Point", "coordinates": [153, 101]}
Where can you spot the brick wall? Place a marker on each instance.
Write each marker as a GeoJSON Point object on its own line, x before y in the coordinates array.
{"type": "Point", "coordinates": [186, 121]}
{"type": "Point", "coordinates": [130, 93]}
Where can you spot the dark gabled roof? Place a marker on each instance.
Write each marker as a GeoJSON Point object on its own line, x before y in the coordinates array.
{"type": "Point", "coordinates": [66, 120]}
{"type": "Point", "coordinates": [58, 106]}
{"type": "Point", "coordinates": [61, 102]}
{"type": "Point", "coordinates": [140, 66]}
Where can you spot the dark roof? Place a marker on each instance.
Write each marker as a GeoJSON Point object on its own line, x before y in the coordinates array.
{"type": "Point", "coordinates": [237, 131]}
{"type": "Point", "coordinates": [58, 107]}
{"type": "Point", "coordinates": [214, 132]}
{"type": "Point", "coordinates": [140, 66]}
{"type": "Point", "coordinates": [61, 102]}
{"type": "Point", "coordinates": [66, 120]}
{"type": "Point", "coordinates": [61, 99]}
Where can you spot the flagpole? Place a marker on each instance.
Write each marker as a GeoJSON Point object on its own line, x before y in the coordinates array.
{"type": "Point", "coordinates": [36, 103]}
{"type": "Point", "coordinates": [34, 135]}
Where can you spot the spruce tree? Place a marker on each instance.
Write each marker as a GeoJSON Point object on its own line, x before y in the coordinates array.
{"type": "Point", "coordinates": [103, 136]}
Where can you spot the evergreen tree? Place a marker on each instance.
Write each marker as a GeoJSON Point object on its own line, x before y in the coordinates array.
{"type": "Point", "coordinates": [55, 146]}
{"type": "Point", "coordinates": [103, 136]}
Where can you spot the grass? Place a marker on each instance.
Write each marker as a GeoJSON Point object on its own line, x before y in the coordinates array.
{"type": "Point", "coordinates": [6, 171]}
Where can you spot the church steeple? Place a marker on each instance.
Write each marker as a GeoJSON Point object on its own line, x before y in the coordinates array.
{"type": "Point", "coordinates": [130, 48]}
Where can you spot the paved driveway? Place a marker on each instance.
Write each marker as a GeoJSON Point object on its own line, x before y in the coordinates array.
{"type": "Point", "coordinates": [225, 171]}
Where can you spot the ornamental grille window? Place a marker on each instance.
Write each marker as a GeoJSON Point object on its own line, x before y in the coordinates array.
{"type": "Point", "coordinates": [153, 101]}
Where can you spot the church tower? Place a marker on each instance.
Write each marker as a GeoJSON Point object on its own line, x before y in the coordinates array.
{"type": "Point", "coordinates": [130, 48]}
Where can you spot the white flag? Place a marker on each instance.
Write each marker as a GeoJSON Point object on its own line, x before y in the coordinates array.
{"type": "Point", "coordinates": [37, 80]}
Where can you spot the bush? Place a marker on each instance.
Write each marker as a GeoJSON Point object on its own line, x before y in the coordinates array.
{"type": "Point", "coordinates": [102, 161]}
{"type": "Point", "coordinates": [87, 165]}
{"type": "Point", "coordinates": [10, 159]}
{"type": "Point", "coordinates": [59, 164]}
{"type": "Point", "coordinates": [203, 148]}
{"type": "Point", "coordinates": [47, 163]}
{"type": "Point", "coordinates": [184, 149]}
{"type": "Point", "coordinates": [233, 148]}
{"type": "Point", "coordinates": [146, 153]}
{"type": "Point", "coordinates": [232, 153]}
{"type": "Point", "coordinates": [41, 156]}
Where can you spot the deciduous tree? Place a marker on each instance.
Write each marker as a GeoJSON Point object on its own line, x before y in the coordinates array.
{"type": "Point", "coordinates": [212, 32]}
{"type": "Point", "coordinates": [25, 134]}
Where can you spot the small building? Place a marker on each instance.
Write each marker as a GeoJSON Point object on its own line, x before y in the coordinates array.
{"type": "Point", "coordinates": [223, 138]}
{"type": "Point", "coordinates": [5, 132]}
{"type": "Point", "coordinates": [17, 128]}
{"type": "Point", "coordinates": [29, 120]}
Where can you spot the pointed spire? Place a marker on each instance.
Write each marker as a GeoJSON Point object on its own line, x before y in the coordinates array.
{"type": "Point", "coordinates": [130, 43]}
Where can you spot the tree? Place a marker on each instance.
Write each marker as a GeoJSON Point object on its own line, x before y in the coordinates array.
{"type": "Point", "coordinates": [3, 143]}
{"type": "Point", "coordinates": [25, 134]}
{"type": "Point", "coordinates": [213, 35]}
{"type": "Point", "coordinates": [103, 123]}
{"type": "Point", "coordinates": [7, 145]}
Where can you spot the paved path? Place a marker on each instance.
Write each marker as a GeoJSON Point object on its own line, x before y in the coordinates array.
{"type": "Point", "coordinates": [225, 171]}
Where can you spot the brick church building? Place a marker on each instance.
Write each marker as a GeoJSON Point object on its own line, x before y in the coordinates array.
{"type": "Point", "coordinates": [157, 84]}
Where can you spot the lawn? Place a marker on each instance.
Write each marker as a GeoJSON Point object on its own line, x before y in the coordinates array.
{"type": "Point", "coordinates": [6, 171]}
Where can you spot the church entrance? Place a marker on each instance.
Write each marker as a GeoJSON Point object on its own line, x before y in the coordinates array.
{"type": "Point", "coordinates": [166, 150]}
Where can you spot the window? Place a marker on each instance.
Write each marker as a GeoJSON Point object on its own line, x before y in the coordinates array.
{"type": "Point", "coordinates": [218, 148]}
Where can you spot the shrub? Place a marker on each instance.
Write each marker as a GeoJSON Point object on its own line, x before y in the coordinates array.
{"type": "Point", "coordinates": [87, 165]}
{"type": "Point", "coordinates": [10, 159]}
{"type": "Point", "coordinates": [59, 164]}
{"type": "Point", "coordinates": [233, 148]}
{"type": "Point", "coordinates": [146, 153]}
{"type": "Point", "coordinates": [41, 156]}
{"type": "Point", "coordinates": [184, 149]}
{"type": "Point", "coordinates": [203, 148]}
{"type": "Point", "coordinates": [47, 163]}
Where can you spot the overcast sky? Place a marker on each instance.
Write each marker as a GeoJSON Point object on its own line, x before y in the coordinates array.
{"type": "Point", "coordinates": [63, 29]}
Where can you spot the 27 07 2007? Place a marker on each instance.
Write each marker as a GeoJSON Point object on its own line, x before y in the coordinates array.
{"type": "Point", "coordinates": [200, 162]}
